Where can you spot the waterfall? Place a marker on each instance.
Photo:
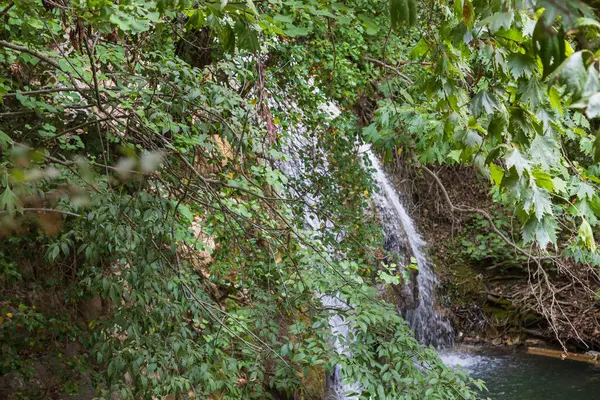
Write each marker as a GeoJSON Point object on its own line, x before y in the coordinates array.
{"type": "Point", "coordinates": [401, 238]}
{"type": "Point", "coordinates": [339, 328]}
{"type": "Point", "coordinates": [295, 167]}
{"type": "Point", "coordinates": [399, 233]}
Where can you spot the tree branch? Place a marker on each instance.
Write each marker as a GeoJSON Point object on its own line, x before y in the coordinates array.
{"type": "Point", "coordinates": [53, 210]}
{"type": "Point", "coordinates": [44, 91]}
{"type": "Point", "coordinates": [22, 49]}
{"type": "Point", "coordinates": [394, 69]}
{"type": "Point", "coordinates": [485, 214]}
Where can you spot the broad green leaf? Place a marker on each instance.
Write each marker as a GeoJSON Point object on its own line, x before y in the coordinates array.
{"type": "Point", "coordinates": [592, 83]}
{"type": "Point", "coordinates": [518, 161]}
{"type": "Point", "coordinates": [544, 150]}
{"type": "Point", "coordinates": [484, 102]}
{"type": "Point", "coordinates": [593, 106]}
{"type": "Point", "coordinates": [539, 201]}
{"type": "Point", "coordinates": [10, 201]}
{"type": "Point", "coordinates": [468, 13]}
{"type": "Point", "coordinates": [420, 49]}
{"type": "Point", "coordinates": [5, 140]}
{"type": "Point", "coordinates": [584, 209]}
{"type": "Point", "coordinates": [371, 26]}
{"type": "Point", "coordinates": [512, 34]}
{"type": "Point", "coordinates": [295, 31]}
{"type": "Point", "coordinates": [597, 147]}
{"type": "Point", "coordinates": [472, 138]}
{"type": "Point", "coordinates": [402, 12]}
{"type": "Point", "coordinates": [381, 392]}
{"type": "Point", "coordinates": [283, 18]}
{"type": "Point", "coordinates": [555, 100]}
{"type": "Point", "coordinates": [455, 155]}
{"type": "Point", "coordinates": [589, 22]}
{"type": "Point", "coordinates": [500, 20]}
{"type": "Point", "coordinates": [322, 13]}
{"type": "Point", "coordinates": [585, 191]}
{"type": "Point", "coordinates": [572, 73]}
{"type": "Point", "coordinates": [533, 93]}
{"type": "Point", "coordinates": [520, 65]}
{"type": "Point", "coordinates": [498, 123]}
{"type": "Point", "coordinates": [185, 212]}
{"type": "Point", "coordinates": [543, 232]}
{"type": "Point", "coordinates": [197, 20]}
{"type": "Point", "coordinates": [543, 179]}
{"type": "Point", "coordinates": [549, 45]}
{"type": "Point", "coordinates": [560, 186]}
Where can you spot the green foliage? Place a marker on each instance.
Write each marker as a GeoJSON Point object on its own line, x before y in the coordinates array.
{"type": "Point", "coordinates": [402, 12]}
{"type": "Point", "coordinates": [520, 77]}
{"type": "Point", "coordinates": [144, 147]}
{"type": "Point", "coordinates": [482, 247]}
{"type": "Point", "coordinates": [146, 143]}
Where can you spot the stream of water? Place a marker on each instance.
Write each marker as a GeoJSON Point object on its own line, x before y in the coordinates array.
{"type": "Point", "coordinates": [515, 375]}
{"type": "Point", "coordinates": [401, 236]}
{"type": "Point", "coordinates": [512, 375]}
{"type": "Point", "coordinates": [507, 374]}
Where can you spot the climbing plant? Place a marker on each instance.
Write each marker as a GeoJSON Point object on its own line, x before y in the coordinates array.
{"type": "Point", "coordinates": [147, 187]}
{"type": "Point", "coordinates": [163, 158]}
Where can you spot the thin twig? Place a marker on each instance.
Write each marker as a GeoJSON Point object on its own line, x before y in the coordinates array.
{"type": "Point", "coordinates": [392, 68]}
{"type": "Point", "coordinates": [37, 55]}
{"type": "Point", "coordinates": [53, 210]}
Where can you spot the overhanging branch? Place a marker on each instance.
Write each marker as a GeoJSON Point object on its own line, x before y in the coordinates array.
{"type": "Point", "coordinates": [390, 67]}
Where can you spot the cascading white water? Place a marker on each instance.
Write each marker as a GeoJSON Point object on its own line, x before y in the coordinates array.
{"type": "Point", "coordinates": [296, 168]}
{"type": "Point", "coordinates": [401, 238]}
{"type": "Point", "coordinates": [339, 329]}
{"type": "Point", "coordinates": [399, 229]}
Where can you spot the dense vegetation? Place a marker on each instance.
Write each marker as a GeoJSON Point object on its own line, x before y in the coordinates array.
{"type": "Point", "coordinates": [160, 161]}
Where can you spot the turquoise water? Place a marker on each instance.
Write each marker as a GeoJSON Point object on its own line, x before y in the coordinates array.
{"type": "Point", "coordinates": [516, 375]}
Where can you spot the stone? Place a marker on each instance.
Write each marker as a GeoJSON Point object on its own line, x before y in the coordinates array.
{"type": "Point", "coordinates": [534, 342]}
{"type": "Point", "coordinates": [73, 349]}
{"type": "Point", "coordinates": [92, 308]}
{"type": "Point", "coordinates": [513, 341]}
{"type": "Point", "coordinates": [85, 390]}
{"type": "Point", "coordinates": [11, 383]}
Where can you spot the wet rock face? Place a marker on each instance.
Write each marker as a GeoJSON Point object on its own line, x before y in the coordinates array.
{"type": "Point", "coordinates": [11, 383]}
{"type": "Point", "coordinates": [402, 295]}
{"type": "Point", "coordinates": [404, 243]}
{"type": "Point", "coordinates": [92, 308]}
{"type": "Point", "coordinates": [84, 391]}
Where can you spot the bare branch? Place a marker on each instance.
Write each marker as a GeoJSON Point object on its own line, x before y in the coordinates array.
{"type": "Point", "coordinates": [478, 211]}
{"type": "Point", "coordinates": [37, 55]}
{"type": "Point", "coordinates": [52, 210]}
{"type": "Point", "coordinates": [392, 68]}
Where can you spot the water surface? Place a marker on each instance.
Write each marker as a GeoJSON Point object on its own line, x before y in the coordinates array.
{"type": "Point", "coordinates": [515, 375]}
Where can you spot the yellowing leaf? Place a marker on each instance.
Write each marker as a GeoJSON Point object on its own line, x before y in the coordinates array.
{"type": "Point", "coordinates": [586, 235]}
{"type": "Point", "coordinates": [496, 174]}
{"type": "Point", "coordinates": [543, 179]}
